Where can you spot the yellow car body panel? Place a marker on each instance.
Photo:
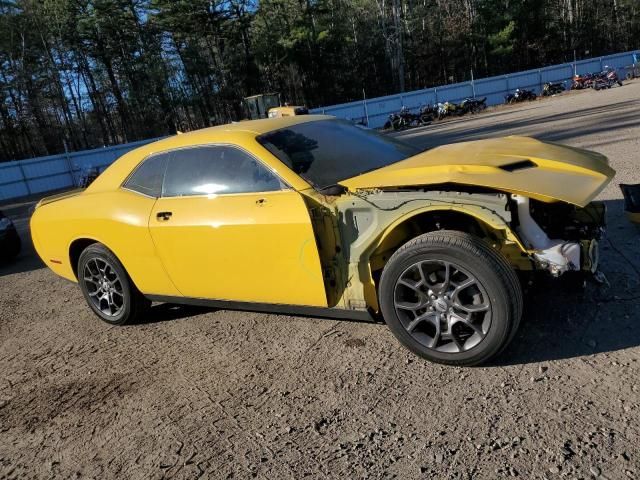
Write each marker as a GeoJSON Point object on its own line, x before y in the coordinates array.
{"type": "Point", "coordinates": [287, 111]}
{"type": "Point", "coordinates": [275, 236]}
{"type": "Point", "coordinates": [559, 172]}
{"type": "Point", "coordinates": [118, 219]}
{"type": "Point", "coordinates": [250, 247]}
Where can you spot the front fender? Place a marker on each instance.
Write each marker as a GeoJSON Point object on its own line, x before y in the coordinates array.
{"type": "Point", "coordinates": [372, 224]}
{"type": "Point", "coordinates": [490, 219]}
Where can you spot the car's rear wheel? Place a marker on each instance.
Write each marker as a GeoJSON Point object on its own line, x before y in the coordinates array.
{"type": "Point", "coordinates": [449, 297]}
{"type": "Point", "coordinates": [107, 288]}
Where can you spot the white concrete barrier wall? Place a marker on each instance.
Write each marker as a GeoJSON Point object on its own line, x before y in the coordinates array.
{"type": "Point", "coordinates": [44, 174]}
{"type": "Point", "coordinates": [377, 110]}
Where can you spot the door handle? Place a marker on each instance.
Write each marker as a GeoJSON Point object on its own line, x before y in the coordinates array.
{"type": "Point", "coordinates": [163, 216]}
{"type": "Point", "coordinates": [261, 202]}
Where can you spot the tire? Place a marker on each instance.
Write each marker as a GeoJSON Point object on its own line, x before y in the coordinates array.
{"type": "Point", "coordinates": [387, 125]}
{"type": "Point", "coordinates": [469, 258]}
{"type": "Point", "coordinates": [426, 120]}
{"type": "Point", "coordinates": [11, 247]}
{"type": "Point", "coordinates": [124, 301]}
{"type": "Point", "coordinates": [16, 246]}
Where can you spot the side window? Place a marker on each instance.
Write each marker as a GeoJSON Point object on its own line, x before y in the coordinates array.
{"type": "Point", "coordinates": [216, 170]}
{"type": "Point", "coordinates": [147, 178]}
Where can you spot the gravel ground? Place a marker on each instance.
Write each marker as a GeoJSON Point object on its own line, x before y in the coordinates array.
{"type": "Point", "coordinates": [220, 394]}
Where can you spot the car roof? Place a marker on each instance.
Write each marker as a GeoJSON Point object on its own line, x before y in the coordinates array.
{"type": "Point", "coordinates": [233, 133]}
{"type": "Point", "coordinates": [240, 133]}
{"type": "Point", "coordinates": [264, 125]}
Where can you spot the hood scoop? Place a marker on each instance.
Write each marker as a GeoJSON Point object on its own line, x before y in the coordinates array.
{"type": "Point", "coordinates": [515, 166]}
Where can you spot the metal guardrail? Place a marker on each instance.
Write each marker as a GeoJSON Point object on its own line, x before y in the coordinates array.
{"type": "Point", "coordinates": [375, 111]}
{"type": "Point", "coordinates": [54, 172]}
{"type": "Point", "coordinates": [43, 174]}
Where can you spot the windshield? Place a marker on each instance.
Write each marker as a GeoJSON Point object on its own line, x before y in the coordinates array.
{"type": "Point", "coordinates": [325, 152]}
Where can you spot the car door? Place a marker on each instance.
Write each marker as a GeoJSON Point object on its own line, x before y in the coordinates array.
{"type": "Point", "coordinates": [124, 225]}
{"type": "Point", "coordinates": [227, 228]}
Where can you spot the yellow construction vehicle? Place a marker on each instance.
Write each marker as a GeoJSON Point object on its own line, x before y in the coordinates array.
{"type": "Point", "coordinates": [268, 105]}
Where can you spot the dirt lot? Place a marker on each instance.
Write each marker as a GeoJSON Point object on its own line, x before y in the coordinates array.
{"type": "Point", "coordinates": [219, 394]}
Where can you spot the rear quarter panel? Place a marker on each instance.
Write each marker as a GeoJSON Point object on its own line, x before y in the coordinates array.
{"type": "Point", "coordinates": [118, 219]}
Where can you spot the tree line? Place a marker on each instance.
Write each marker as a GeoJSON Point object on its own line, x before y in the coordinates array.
{"type": "Point", "coordinates": [77, 74]}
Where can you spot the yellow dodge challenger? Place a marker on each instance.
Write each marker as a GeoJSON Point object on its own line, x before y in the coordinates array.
{"type": "Point", "coordinates": [314, 216]}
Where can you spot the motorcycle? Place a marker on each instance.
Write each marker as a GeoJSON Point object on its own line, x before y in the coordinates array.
{"type": "Point", "coordinates": [87, 176]}
{"type": "Point", "coordinates": [606, 79]}
{"type": "Point", "coordinates": [448, 109]}
{"type": "Point", "coordinates": [405, 119]}
{"type": "Point", "coordinates": [601, 83]}
{"type": "Point", "coordinates": [581, 82]}
{"type": "Point", "coordinates": [612, 76]}
{"type": "Point", "coordinates": [550, 89]}
{"type": "Point", "coordinates": [520, 95]}
{"type": "Point", "coordinates": [473, 105]}
{"type": "Point", "coordinates": [394, 121]}
{"type": "Point", "coordinates": [427, 114]}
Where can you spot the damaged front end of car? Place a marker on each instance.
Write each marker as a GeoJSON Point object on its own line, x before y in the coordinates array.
{"type": "Point", "coordinates": [358, 232]}
{"type": "Point", "coordinates": [560, 237]}
{"type": "Point", "coordinates": [532, 201]}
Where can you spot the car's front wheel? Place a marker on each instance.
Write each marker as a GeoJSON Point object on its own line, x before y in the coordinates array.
{"type": "Point", "coordinates": [450, 298]}
{"type": "Point", "coordinates": [107, 288]}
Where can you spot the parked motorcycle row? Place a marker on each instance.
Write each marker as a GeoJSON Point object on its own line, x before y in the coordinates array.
{"type": "Point", "coordinates": [598, 81]}
{"type": "Point", "coordinates": [522, 95]}
{"type": "Point", "coordinates": [427, 114]}
{"type": "Point", "coordinates": [405, 118]}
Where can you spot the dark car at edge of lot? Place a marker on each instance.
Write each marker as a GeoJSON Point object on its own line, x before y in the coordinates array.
{"type": "Point", "coordinates": [9, 240]}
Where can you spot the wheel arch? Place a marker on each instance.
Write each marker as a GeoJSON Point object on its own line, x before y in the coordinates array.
{"type": "Point", "coordinates": [76, 248]}
{"type": "Point", "coordinates": [475, 221]}
{"type": "Point", "coordinates": [79, 245]}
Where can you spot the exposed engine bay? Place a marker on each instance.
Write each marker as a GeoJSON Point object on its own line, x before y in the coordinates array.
{"type": "Point", "coordinates": [564, 237]}
{"type": "Point", "coordinates": [359, 231]}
